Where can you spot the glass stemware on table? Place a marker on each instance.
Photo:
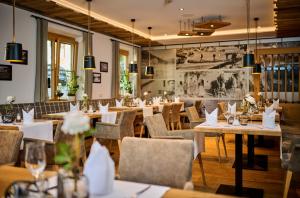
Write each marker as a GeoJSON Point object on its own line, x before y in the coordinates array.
{"type": "Point", "coordinates": [35, 160]}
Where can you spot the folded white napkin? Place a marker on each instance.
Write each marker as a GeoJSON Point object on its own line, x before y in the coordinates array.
{"type": "Point", "coordinates": [136, 101]}
{"type": "Point", "coordinates": [232, 108]}
{"type": "Point", "coordinates": [28, 117]}
{"type": "Point", "coordinates": [212, 118]}
{"type": "Point", "coordinates": [119, 103]}
{"type": "Point", "coordinates": [91, 110]}
{"type": "Point", "coordinates": [156, 100]}
{"type": "Point", "coordinates": [109, 117]}
{"type": "Point", "coordinates": [74, 107]}
{"type": "Point", "coordinates": [177, 99]}
{"type": "Point", "coordinates": [268, 120]}
{"type": "Point", "coordinates": [269, 109]}
{"type": "Point", "coordinates": [142, 104]}
{"type": "Point", "coordinates": [103, 108]}
{"type": "Point", "coordinates": [99, 168]}
{"type": "Point", "coordinates": [275, 103]}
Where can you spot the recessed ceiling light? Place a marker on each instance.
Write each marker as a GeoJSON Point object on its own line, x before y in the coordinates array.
{"type": "Point", "coordinates": [181, 9]}
{"type": "Point", "coordinates": [186, 34]}
{"type": "Point", "coordinates": [212, 26]}
{"type": "Point", "coordinates": [201, 34]}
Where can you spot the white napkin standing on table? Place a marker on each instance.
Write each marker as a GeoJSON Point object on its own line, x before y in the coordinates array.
{"type": "Point", "coordinates": [109, 117]}
{"type": "Point", "coordinates": [142, 104]}
{"type": "Point", "coordinates": [156, 100]}
{"type": "Point", "coordinates": [275, 103]}
{"type": "Point", "coordinates": [99, 168]}
{"type": "Point", "coordinates": [74, 107]}
{"type": "Point", "coordinates": [232, 108]}
{"type": "Point", "coordinates": [28, 117]}
{"type": "Point", "coordinates": [269, 109]}
{"type": "Point", "coordinates": [136, 101]}
{"type": "Point", "coordinates": [119, 103]}
{"type": "Point", "coordinates": [103, 108]}
{"type": "Point", "coordinates": [268, 120]}
{"type": "Point", "coordinates": [177, 99]}
{"type": "Point", "coordinates": [212, 118]}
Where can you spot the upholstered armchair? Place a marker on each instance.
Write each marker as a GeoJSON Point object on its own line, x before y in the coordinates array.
{"type": "Point", "coordinates": [196, 120]}
{"type": "Point", "coordinates": [157, 161]}
{"type": "Point", "coordinates": [118, 131]}
{"type": "Point", "coordinates": [10, 141]}
{"type": "Point", "coordinates": [157, 129]}
{"type": "Point", "coordinates": [290, 159]}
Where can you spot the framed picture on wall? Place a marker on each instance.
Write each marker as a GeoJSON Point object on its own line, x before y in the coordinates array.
{"type": "Point", "coordinates": [5, 72]}
{"type": "Point", "coordinates": [103, 67]}
{"type": "Point", "coordinates": [96, 77]}
{"type": "Point", "coordinates": [24, 58]}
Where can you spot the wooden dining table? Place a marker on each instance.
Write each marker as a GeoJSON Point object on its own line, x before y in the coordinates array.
{"type": "Point", "coordinates": [16, 125]}
{"type": "Point", "coordinates": [10, 174]}
{"type": "Point", "coordinates": [255, 128]}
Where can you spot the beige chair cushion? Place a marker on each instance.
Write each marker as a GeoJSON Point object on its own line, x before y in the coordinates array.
{"type": "Point", "coordinates": [10, 141]}
{"type": "Point", "coordinates": [156, 161]}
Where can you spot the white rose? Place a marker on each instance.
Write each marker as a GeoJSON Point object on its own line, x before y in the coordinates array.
{"type": "Point", "coordinates": [250, 99]}
{"type": "Point", "coordinates": [10, 99]}
{"type": "Point", "coordinates": [75, 122]}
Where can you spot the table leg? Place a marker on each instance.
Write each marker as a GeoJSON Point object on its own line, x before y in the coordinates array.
{"type": "Point", "coordinates": [250, 155]}
{"type": "Point", "coordinates": [238, 189]}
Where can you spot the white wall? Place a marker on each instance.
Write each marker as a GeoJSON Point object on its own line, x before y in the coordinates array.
{"type": "Point", "coordinates": [23, 76]}
{"type": "Point", "coordinates": [22, 84]}
{"type": "Point", "coordinates": [102, 50]}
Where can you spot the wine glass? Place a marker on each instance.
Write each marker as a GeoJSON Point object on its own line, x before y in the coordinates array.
{"type": "Point", "coordinates": [35, 158]}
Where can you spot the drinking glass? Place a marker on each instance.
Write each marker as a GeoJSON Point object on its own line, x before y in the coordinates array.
{"type": "Point", "coordinates": [35, 158]}
{"type": "Point", "coordinates": [227, 115]}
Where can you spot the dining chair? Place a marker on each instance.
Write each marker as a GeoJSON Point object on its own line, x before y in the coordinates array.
{"type": "Point", "coordinates": [175, 116]}
{"type": "Point", "coordinates": [290, 159]}
{"type": "Point", "coordinates": [157, 162]}
{"type": "Point", "coordinates": [166, 114]}
{"type": "Point", "coordinates": [10, 141]}
{"type": "Point", "coordinates": [222, 109]}
{"type": "Point", "coordinates": [123, 128]}
{"type": "Point", "coordinates": [198, 105]}
{"type": "Point", "coordinates": [157, 129]}
{"type": "Point", "coordinates": [51, 148]}
{"type": "Point", "coordinates": [196, 120]}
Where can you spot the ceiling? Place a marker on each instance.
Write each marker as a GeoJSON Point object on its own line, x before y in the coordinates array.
{"type": "Point", "coordinates": [165, 18]}
{"type": "Point", "coordinates": [112, 17]}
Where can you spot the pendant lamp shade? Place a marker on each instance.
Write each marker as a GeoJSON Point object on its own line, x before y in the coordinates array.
{"type": "Point", "coordinates": [257, 69]}
{"type": "Point", "coordinates": [133, 68]}
{"type": "Point", "coordinates": [13, 52]}
{"type": "Point", "coordinates": [149, 71]}
{"type": "Point", "coordinates": [89, 62]}
{"type": "Point", "coordinates": [248, 60]}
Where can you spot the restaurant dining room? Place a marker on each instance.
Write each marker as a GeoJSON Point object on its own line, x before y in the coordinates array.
{"type": "Point", "coordinates": [149, 99]}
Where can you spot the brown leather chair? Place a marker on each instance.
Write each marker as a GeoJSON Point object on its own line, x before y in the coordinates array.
{"type": "Point", "coordinates": [166, 114]}
{"type": "Point", "coordinates": [175, 116]}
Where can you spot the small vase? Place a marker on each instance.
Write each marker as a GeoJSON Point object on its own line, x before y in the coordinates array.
{"type": "Point", "coordinates": [66, 185]}
{"type": "Point", "coordinates": [71, 98]}
{"type": "Point", "coordinates": [9, 117]}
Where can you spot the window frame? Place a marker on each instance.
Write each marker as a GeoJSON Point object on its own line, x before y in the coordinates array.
{"type": "Point", "coordinates": [56, 41]}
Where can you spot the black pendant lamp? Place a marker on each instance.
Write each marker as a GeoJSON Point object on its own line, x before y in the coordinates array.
{"type": "Point", "coordinates": [149, 71]}
{"type": "Point", "coordinates": [13, 49]}
{"type": "Point", "coordinates": [257, 66]}
{"type": "Point", "coordinates": [248, 58]}
{"type": "Point", "coordinates": [89, 60]}
{"type": "Point", "coordinates": [133, 67]}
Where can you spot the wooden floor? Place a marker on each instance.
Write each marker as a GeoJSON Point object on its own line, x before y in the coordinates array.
{"type": "Point", "coordinates": [223, 173]}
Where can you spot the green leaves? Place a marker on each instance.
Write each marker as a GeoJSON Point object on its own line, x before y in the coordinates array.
{"type": "Point", "coordinates": [65, 156]}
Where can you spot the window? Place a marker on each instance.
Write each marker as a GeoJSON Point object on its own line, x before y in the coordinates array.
{"type": "Point", "coordinates": [125, 84]}
{"type": "Point", "coordinates": [61, 60]}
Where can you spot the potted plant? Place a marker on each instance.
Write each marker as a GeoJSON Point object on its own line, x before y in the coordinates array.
{"type": "Point", "coordinates": [125, 83]}
{"type": "Point", "coordinates": [72, 86]}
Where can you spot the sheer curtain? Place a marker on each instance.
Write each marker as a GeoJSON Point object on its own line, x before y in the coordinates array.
{"type": "Point", "coordinates": [88, 83]}
{"type": "Point", "coordinates": [115, 86]}
{"type": "Point", "coordinates": [41, 76]}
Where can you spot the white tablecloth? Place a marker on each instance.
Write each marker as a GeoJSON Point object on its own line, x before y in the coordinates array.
{"type": "Point", "coordinates": [109, 117]}
{"type": "Point", "coordinates": [199, 144]}
{"type": "Point", "coordinates": [125, 189]}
